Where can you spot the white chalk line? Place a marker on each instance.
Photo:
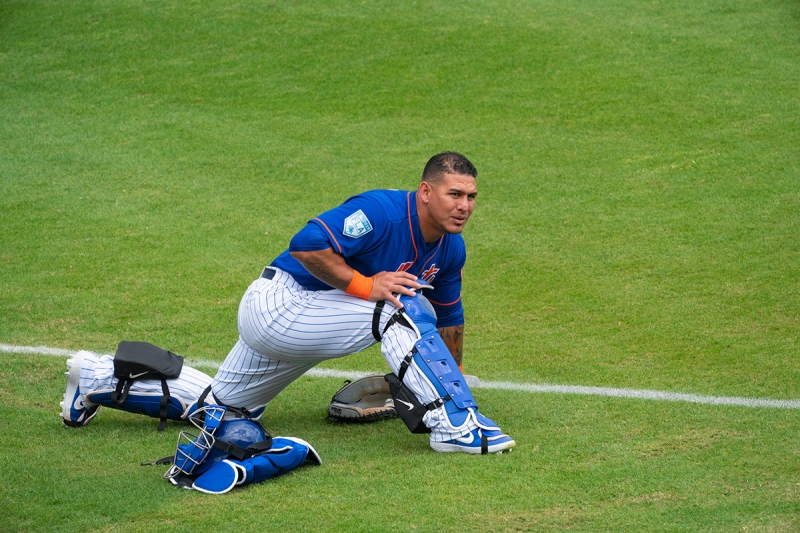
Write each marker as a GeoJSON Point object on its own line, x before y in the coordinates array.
{"type": "Point", "coordinates": [500, 385]}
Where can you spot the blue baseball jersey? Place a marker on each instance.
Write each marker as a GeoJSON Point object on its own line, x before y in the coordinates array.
{"type": "Point", "coordinates": [379, 231]}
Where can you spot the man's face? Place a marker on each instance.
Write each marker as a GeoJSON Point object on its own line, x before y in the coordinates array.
{"type": "Point", "coordinates": [448, 203]}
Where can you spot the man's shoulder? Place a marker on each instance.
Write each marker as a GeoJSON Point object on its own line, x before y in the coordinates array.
{"type": "Point", "coordinates": [454, 240]}
{"type": "Point", "coordinates": [386, 204]}
{"type": "Point", "coordinates": [391, 195]}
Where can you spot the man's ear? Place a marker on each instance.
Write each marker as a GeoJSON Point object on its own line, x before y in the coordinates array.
{"type": "Point", "coordinates": [424, 191]}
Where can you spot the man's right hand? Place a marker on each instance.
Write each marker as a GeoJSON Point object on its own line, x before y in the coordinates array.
{"type": "Point", "coordinates": [387, 285]}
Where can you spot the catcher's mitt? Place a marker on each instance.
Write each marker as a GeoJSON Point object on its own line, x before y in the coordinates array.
{"type": "Point", "coordinates": [364, 400]}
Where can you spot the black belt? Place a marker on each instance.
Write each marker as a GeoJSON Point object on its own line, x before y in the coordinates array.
{"type": "Point", "coordinates": [268, 273]}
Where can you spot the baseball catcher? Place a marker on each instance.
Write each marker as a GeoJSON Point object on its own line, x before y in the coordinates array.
{"type": "Point", "coordinates": [352, 276]}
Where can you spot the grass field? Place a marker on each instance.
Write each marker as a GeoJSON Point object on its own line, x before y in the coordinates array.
{"type": "Point", "coordinates": [637, 227]}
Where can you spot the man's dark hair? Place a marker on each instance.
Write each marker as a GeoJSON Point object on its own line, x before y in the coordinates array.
{"type": "Point", "coordinates": [447, 163]}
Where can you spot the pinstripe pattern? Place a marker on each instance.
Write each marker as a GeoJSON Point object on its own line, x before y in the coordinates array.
{"type": "Point", "coordinates": [97, 374]}
{"type": "Point", "coordinates": [285, 330]}
{"type": "Point", "coordinates": [279, 319]}
{"type": "Point", "coordinates": [249, 380]}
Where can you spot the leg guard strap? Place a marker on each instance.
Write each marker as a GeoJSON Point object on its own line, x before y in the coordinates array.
{"type": "Point", "coordinates": [396, 318]}
{"type": "Point", "coordinates": [435, 404]}
{"type": "Point", "coordinates": [120, 394]}
{"type": "Point", "coordinates": [376, 320]}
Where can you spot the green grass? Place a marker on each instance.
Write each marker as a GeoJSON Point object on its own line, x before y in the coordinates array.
{"type": "Point", "coordinates": [637, 226]}
{"type": "Point", "coordinates": [583, 464]}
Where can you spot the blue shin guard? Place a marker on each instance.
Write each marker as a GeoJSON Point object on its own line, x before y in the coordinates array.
{"type": "Point", "coordinates": [453, 418]}
{"type": "Point", "coordinates": [143, 403]}
{"type": "Point", "coordinates": [286, 454]}
{"type": "Point", "coordinates": [433, 358]}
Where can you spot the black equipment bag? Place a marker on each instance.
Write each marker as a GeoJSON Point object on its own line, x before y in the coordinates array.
{"type": "Point", "coordinates": [142, 360]}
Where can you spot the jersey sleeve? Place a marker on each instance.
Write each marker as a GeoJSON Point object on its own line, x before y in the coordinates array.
{"type": "Point", "coordinates": [351, 229]}
{"type": "Point", "coordinates": [446, 294]}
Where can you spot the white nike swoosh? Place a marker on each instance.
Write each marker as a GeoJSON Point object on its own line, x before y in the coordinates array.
{"type": "Point", "coordinates": [134, 376]}
{"type": "Point", "coordinates": [464, 439]}
{"type": "Point", "coordinates": [77, 404]}
{"type": "Point", "coordinates": [409, 405]}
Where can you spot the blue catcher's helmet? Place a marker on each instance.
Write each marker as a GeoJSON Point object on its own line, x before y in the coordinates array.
{"type": "Point", "coordinates": [218, 440]}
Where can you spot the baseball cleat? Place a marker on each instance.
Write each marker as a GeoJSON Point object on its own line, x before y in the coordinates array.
{"type": "Point", "coordinates": [479, 441]}
{"type": "Point", "coordinates": [75, 410]}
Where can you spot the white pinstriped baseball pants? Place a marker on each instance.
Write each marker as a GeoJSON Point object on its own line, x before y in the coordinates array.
{"type": "Point", "coordinates": [285, 330]}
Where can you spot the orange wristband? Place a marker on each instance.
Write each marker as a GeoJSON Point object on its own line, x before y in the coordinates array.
{"type": "Point", "coordinates": [360, 286]}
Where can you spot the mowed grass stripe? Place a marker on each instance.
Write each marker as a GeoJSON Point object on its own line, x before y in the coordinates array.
{"type": "Point", "coordinates": [501, 385]}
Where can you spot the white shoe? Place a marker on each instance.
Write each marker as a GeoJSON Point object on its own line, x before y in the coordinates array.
{"type": "Point", "coordinates": [479, 441]}
{"type": "Point", "coordinates": [75, 410]}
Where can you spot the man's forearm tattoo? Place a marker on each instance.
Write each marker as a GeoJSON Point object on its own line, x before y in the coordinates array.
{"type": "Point", "coordinates": [453, 337]}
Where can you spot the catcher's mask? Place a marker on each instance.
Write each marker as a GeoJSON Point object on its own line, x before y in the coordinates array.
{"type": "Point", "coordinates": [219, 439]}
